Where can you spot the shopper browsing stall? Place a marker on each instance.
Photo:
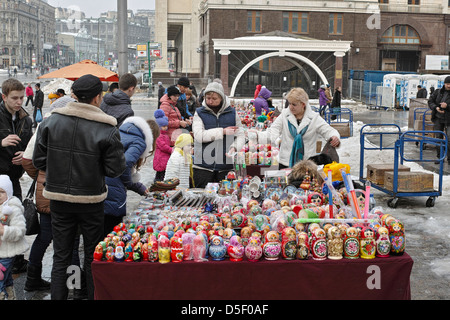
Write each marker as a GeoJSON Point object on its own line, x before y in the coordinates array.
{"type": "Point", "coordinates": [163, 148]}
{"type": "Point", "coordinates": [299, 128]}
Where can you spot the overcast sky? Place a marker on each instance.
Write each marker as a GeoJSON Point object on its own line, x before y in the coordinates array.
{"type": "Point", "coordinates": [93, 8]}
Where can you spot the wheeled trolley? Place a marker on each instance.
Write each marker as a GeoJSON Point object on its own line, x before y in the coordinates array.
{"type": "Point", "coordinates": [395, 189]}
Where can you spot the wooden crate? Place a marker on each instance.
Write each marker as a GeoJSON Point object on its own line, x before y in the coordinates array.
{"type": "Point", "coordinates": [342, 127]}
{"type": "Point", "coordinates": [409, 181]}
{"type": "Point", "coordinates": [375, 172]}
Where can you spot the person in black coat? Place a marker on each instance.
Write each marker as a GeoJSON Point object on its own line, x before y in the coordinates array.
{"type": "Point", "coordinates": [38, 102]}
{"type": "Point", "coordinates": [421, 92]}
{"type": "Point", "coordinates": [161, 91]}
{"type": "Point", "coordinates": [336, 103]}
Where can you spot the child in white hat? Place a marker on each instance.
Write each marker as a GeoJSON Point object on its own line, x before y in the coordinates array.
{"type": "Point", "coordinates": [12, 236]}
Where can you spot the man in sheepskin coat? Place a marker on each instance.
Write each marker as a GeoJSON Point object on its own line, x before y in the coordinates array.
{"type": "Point", "coordinates": [77, 147]}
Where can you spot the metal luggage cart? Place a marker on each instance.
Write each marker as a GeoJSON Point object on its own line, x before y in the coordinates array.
{"type": "Point", "coordinates": [399, 157]}
{"type": "Point", "coordinates": [343, 116]}
{"type": "Point", "coordinates": [422, 125]}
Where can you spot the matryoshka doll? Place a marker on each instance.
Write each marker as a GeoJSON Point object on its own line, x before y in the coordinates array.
{"type": "Point", "coordinates": [118, 254]}
{"type": "Point", "coordinates": [383, 243]}
{"type": "Point", "coordinates": [367, 243]}
{"type": "Point", "coordinates": [397, 237]}
{"type": "Point", "coordinates": [335, 243]}
{"type": "Point", "coordinates": [302, 246]}
{"type": "Point", "coordinates": [245, 235]}
{"type": "Point", "coordinates": [217, 248]}
{"type": "Point", "coordinates": [288, 243]}
{"type": "Point", "coordinates": [129, 252]}
{"type": "Point", "coordinates": [98, 253]}
{"type": "Point", "coordinates": [109, 255]}
{"type": "Point", "coordinates": [199, 248]}
{"type": "Point", "coordinates": [315, 198]}
{"type": "Point", "coordinates": [188, 239]}
{"type": "Point", "coordinates": [163, 249]}
{"type": "Point", "coordinates": [272, 246]}
{"type": "Point", "coordinates": [351, 243]}
{"type": "Point", "coordinates": [152, 248]}
{"type": "Point", "coordinates": [235, 249]}
{"type": "Point", "coordinates": [176, 249]}
{"type": "Point", "coordinates": [319, 244]}
{"type": "Point", "coordinates": [253, 250]}
{"type": "Point", "coordinates": [145, 252]}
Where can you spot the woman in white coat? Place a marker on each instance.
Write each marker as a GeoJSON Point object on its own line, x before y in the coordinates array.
{"type": "Point", "coordinates": [299, 128]}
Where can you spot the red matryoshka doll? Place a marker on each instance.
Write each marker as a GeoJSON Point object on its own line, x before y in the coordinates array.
{"type": "Point", "coordinates": [98, 253]}
{"type": "Point", "coordinates": [188, 241]}
{"type": "Point", "coordinates": [245, 235]}
{"type": "Point", "coordinates": [238, 220]}
{"type": "Point", "coordinates": [253, 250]}
{"type": "Point", "coordinates": [397, 237]}
{"type": "Point", "coordinates": [199, 248]}
{"type": "Point", "coordinates": [272, 246]}
{"type": "Point", "coordinates": [129, 252]}
{"type": "Point", "coordinates": [145, 251]}
{"type": "Point", "coordinates": [335, 243]}
{"type": "Point", "coordinates": [109, 255]}
{"type": "Point", "coordinates": [302, 246]}
{"type": "Point", "coordinates": [152, 248]}
{"type": "Point", "coordinates": [383, 243]}
{"type": "Point", "coordinates": [319, 244]}
{"type": "Point", "coordinates": [351, 243]}
{"type": "Point", "coordinates": [315, 198]}
{"type": "Point", "coordinates": [288, 243]}
{"type": "Point", "coordinates": [235, 249]}
{"type": "Point", "coordinates": [176, 249]}
{"type": "Point", "coordinates": [367, 243]}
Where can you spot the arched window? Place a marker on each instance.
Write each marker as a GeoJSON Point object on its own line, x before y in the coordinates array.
{"type": "Point", "coordinates": [401, 34]}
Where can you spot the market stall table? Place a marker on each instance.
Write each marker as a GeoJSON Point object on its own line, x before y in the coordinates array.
{"type": "Point", "coordinates": [345, 279]}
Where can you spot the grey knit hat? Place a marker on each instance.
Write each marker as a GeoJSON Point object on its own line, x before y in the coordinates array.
{"type": "Point", "coordinates": [215, 87]}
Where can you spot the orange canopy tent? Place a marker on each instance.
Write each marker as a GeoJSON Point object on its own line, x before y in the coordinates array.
{"type": "Point", "coordinates": [77, 70]}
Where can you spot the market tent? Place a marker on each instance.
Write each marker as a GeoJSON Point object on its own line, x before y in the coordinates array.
{"type": "Point", "coordinates": [82, 68]}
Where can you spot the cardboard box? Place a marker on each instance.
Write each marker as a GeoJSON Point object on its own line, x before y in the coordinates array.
{"type": "Point", "coordinates": [409, 181]}
{"type": "Point", "coordinates": [376, 172]}
{"type": "Point", "coordinates": [419, 125]}
{"type": "Point", "coordinates": [343, 128]}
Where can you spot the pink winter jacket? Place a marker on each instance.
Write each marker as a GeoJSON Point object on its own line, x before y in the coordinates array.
{"type": "Point", "coordinates": [173, 114]}
{"type": "Point", "coordinates": [29, 91]}
{"type": "Point", "coordinates": [162, 152]}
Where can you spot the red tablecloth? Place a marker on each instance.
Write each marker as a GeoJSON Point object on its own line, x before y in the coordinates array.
{"type": "Point", "coordinates": [379, 278]}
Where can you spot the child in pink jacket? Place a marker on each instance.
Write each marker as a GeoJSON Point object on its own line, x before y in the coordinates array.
{"type": "Point", "coordinates": [163, 148]}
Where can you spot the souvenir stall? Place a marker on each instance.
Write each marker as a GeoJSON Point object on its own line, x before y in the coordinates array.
{"type": "Point", "coordinates": [305, 233]}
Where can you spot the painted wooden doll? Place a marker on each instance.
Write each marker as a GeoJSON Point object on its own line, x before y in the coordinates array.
{"type": "Point", "coordinates": [302, 246]}
{"type": "Point", "coordinates": [288, 243]}
{"type": "Point", "coordinates": [98, 253]}
{"type": "Point", "coordinates": [152, 248]}
{"type": "Point", "coordinates": [163, 249]}
{"type": "Point", "coordinates": [118, 254]}
{"type": "Point", "coordinates": [253, 251]}
{"type": "Point", "coordinates": [383, 243]}
{"type": "Point", "coordinates": [235, 249]}
{"type": "Point", "coordinates": [272, 246]}
{"type": "Point", "coordinates": [199, 248]}
{"type": "Point", "coordinates": [188, 241]}
{"type": "Point", "coordinates": [397, 238]}
{"type": "Point", "coordinates": [217, 248]}
{"type": "Point", "coordinates": [351, 243]}
{"type": "Point", "coordinates": [335, 243]}
{"type": "Point", "coordinates": [367, 243]}
{"type": "Point", "coordinates": [319, 244]}
{"type": "Point", "coordinates": [176, 249]}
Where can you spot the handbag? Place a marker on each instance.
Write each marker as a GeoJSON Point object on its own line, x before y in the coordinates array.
{"type": "Point", "coordinates": [38, 115]}
{"type": "Point", "coordinates": [330, 151]}
{"type": "Point", "coordinates": [30, 212]}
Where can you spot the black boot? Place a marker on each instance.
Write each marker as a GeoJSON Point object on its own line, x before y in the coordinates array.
{"type": "Point", "coordinates": [34, 280]}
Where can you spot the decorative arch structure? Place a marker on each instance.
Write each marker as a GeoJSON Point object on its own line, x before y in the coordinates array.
{"type": "Point", "coordinates": [278, 54]}
{"type": "Point", "coordinates": [281, 45]}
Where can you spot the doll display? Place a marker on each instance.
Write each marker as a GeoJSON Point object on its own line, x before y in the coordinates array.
{"type": "Point", "coordinates": [302, 246]}
{"type": "Point", "coordinates": [367, 243]}
{"type": "Point", "coordinates": [318, 244]}
{"type": "Point", "coordinates": [288, 243]}
{"type": "Point", "coordinates": [272, 246]}
{"type": "Point", "coordinates": [217, 248]}
{"type": "Point", "coordinates": [335, 243]}
{"type": "Point", "coordinates": [383, 243]}
{"type": "Point", "coordinates": [235, 249]}
{"type": "Point", "coordinates": [351, 243]}
{"type": "Point", "coordinates": [253, 251]}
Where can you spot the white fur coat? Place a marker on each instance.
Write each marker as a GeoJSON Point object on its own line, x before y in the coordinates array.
{"type": "Point", "coordinates": [12, 242]}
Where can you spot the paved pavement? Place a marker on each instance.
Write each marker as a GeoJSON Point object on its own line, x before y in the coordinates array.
{"type": "Point", "coordinates": [430, 279]}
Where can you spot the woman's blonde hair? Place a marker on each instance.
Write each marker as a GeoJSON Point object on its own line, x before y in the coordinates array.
{"type": "Point", "coordinates": [297, 95]}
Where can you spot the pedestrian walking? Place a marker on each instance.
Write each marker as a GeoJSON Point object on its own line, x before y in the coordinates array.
{"type": "Point", "coordinates": [30, 94]}
{"type": "Point", "coordinates": [323, 101]}
{"type": "Point", "coordinates": [12, 236]}
{"type": "Point", "coordinates": [75, 175]}
{"type": "Point", "coordinates": [336, 103]}
{"type": "Point", "coordinates": [38, 102]}
{"type": "Point", "coordinates": [163, 148]}
{"type": "Point", "coordinates": [439, 103]}
{"type": "Point", "coordinates": [118, 103]}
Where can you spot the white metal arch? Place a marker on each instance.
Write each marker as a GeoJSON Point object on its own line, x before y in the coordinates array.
{"type": "Point", "coordinates": [277, 54]}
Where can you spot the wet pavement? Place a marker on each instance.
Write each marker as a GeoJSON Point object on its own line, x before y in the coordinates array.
{"type": "Point", "coordinates": [430, 277]}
